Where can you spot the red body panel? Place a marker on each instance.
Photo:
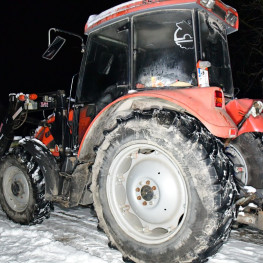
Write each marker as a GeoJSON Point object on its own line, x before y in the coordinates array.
{"type": "Point", "coordinates": [70, 119]}
{"type": "Point", "coordinates": [44, 135]}
{"type": "Point", "coordinates": [237, 109]}
{"type": "Point", "coordinates": [135, 6]}
{"type": "Point", "coordinates": [84, 122]}
{"type": "Point", "coordinates": [199, 102]}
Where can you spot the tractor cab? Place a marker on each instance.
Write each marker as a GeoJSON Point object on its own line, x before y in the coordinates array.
{"type": "Point", "coordinates": [156, 45]}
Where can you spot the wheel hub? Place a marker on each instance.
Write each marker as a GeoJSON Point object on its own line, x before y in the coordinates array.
{"type": "Point", "coordinates": [147, 193]}
{"type": "Point", "coordinates": [16, 188]}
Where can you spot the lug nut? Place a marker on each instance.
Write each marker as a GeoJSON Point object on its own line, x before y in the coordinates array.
{"type": "Point", "coordinates": [138, 189]}
{"type": "Point", "coordinates": [139, 197]}
{"type": "Point", "coordinates": [144, 203]}
{"type": "Point", "coordinates": [148, 182]}
{"type": "Point", "coordinates": [154, 188]}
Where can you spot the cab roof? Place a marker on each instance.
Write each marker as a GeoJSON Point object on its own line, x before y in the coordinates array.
{"type": "Point", "coordinates": [217, 8]}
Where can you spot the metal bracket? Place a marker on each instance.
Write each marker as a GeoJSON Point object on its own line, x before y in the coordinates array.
{"type": "Point", "coordinates": [255, 110]}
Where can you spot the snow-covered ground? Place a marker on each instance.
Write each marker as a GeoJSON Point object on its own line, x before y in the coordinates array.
{"type": "Point", "coordinates": [71, 236]}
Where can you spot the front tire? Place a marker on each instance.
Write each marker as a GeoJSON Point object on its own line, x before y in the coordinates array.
{"type": "Point", "coordinates": [162, 188]}
{"type": "Point", "coordinates": [22, 188]}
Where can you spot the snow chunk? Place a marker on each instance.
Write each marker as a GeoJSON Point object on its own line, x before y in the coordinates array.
{"type": "Point", "coordinates": [22, 141]}
{"type": "Point", "coordinates": [250, 189]}
{"type": "Point", "coordinates": [252, 205]}
{"type": "Point", "coordinates": [17, 138]}
{"type": "Point", "coordinates": [35, 175]}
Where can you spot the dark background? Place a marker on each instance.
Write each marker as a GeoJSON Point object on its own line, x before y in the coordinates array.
{"type": "Point", "coordinates": [23, 39]}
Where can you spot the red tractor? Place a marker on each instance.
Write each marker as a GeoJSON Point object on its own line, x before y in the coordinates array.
{"type": "Point", "coordinates": [154, 139]}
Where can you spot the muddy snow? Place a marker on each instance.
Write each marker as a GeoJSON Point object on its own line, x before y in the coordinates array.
{"type": "Point", "coordinates": [71, 236]}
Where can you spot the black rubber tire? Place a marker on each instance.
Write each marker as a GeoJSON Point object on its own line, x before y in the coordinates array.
{"type": "Point", "coordinates": [208, 176]}
{"type": "Point", "coordinates": [36, 207]}
{"type": "Point", "coordinates": [250, 146]}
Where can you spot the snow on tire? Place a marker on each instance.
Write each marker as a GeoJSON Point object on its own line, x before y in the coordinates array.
{"type": "Point", "coordinates": [246, 152]}
{"type": "Point", "coordinates": [22, 188]}
{"type": "Point", "coordinates": [163, 188]}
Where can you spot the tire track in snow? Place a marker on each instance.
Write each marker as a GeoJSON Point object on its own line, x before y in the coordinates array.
{"type": "Point", "coordinates": [77, 228]}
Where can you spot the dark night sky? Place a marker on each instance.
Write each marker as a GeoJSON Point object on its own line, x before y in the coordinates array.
{"type": "Point", "coordinates": [23, 39]}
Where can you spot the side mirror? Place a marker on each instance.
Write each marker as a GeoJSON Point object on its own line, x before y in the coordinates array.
{"type": "Point", "coordinates": [53, 48]}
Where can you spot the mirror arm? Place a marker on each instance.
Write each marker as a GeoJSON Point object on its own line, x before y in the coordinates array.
{"type": "Point", "coordinates": [49, 38]}
{"type": "Point", "coordinates": [69, 33]}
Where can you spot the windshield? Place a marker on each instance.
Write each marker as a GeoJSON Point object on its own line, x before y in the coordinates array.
{"type": "Point", "coordinates": [164, 53]}
{"type": "Point", "coordinates": [214, 48]}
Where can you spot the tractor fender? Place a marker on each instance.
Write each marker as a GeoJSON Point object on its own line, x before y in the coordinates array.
{"type": "Point", "coordinates": [238, 108]}
{"type": "Point", "coordinates": [195, 101]}
{"type": "Point", "coordinates": [47, 164]}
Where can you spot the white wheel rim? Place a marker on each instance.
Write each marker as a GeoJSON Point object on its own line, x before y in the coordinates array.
{"type": "Point", "coordinates": [147, 194]}
{"type": "Point", "coordinates": [15, 189]}
{"type": "Point", "coordinates": [241, 171]}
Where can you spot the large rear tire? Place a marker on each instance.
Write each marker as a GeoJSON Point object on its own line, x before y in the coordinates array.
{"type": "Point", "coordinates": [22, 188]}
{"type": "Point", "coordinates": [246, 152]}
{"type": "Point", "coordinates": [162, 188]}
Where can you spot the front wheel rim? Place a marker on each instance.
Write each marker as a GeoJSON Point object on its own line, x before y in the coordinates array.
{"type": "Point", "coordinates": [147, 194]}
{"type": "Point", "coordinates": [15, 189]}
